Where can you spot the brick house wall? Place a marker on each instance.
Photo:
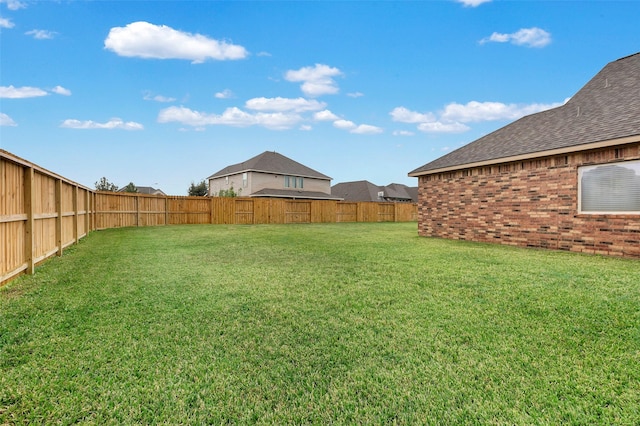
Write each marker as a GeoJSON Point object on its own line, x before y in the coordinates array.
{"type": "Point", "coordinates": [531, 203]}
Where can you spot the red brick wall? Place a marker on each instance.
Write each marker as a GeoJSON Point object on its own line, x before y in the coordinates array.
{"type": "Point", "coordinates": [531, 203]}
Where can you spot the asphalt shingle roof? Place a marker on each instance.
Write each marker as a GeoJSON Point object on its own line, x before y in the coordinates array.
{"type": "Point", "coordinates": [363, 190]}
{"type": "Point", "coordinates": [606, 108]}
{"type": "Point", "coordinates": [291, 193]}
{"type": "Point", "coordinates": [271, 162]}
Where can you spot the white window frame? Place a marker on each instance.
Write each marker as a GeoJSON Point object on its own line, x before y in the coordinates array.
{"type": "Point", "coordinates": [631, 165]}
{"type": "Point", "coordinates": [293, 182]}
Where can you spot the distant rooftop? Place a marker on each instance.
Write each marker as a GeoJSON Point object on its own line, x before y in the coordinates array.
{"type": "Point", "coordinates": [363, 190]}
{"type": "Point", "coordinates": [271, 162]}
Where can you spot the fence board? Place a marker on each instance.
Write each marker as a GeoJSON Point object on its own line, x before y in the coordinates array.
{"type": "Point", "coordinates": [297, 211]}
{"type": "Point", "coordinates": [346, 212]}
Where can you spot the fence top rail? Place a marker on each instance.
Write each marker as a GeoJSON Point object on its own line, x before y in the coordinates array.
{"type": "Point", "coordinates": [22, 162]}
{"type": "Point", "coordinates": [130, 194]}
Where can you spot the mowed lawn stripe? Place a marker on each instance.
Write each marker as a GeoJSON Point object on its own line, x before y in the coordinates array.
{"type": "Point", "coordinates": [326, 323]}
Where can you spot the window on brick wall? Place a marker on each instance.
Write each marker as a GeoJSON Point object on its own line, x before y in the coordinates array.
{"type": "Point", "coordinates": [609, 188]}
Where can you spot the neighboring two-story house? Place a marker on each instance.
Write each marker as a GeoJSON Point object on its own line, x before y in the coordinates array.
{"type": "Point", "coordinates": [271, 174]}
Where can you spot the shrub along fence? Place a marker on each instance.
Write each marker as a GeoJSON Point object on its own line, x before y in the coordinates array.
{"type": "Point", "coordinates": [41, 213]}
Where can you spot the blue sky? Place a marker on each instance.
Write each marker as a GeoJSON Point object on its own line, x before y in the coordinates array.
{"type": "Point", "coordinates": [163, 93]}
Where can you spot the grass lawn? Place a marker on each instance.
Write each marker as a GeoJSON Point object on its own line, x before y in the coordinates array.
{"type": "Point", "coordinates": [332, 323]}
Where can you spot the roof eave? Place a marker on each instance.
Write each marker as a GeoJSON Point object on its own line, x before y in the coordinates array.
{"type": "Point", "coordinates": [296, 197]}
{"type": "Point", "coordinates": [214, 176]}
{"type": "Point", "coordinates": [531, 155]}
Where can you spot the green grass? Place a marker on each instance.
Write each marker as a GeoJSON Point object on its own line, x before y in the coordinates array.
{"type": "Point", "coordinates": [340, 323]}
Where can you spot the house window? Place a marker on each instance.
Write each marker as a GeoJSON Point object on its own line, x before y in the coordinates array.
{"type": "Point", "coordinates": [293, 182]}
{"type": "Point", "coordinates": [609, 188]}
{"type": "Point", "coordinates": [245, 178]}
{"type": "Point", "coordinates": [226, 180]}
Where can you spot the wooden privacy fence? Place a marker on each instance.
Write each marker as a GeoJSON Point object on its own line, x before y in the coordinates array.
{"type": "Point", "coordinates": [42, 213]}
{"type": "Point", "coordinates": [118, 210]}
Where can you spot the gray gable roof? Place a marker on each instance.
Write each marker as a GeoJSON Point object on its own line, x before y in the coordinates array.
{"type": "Point", "coordinates": [606, 108]}
{"type": "Point", "coordinates": [363, 190]}
{"type": "Point", "coordinates": [295, 194]}
{"type": "Point", "coordinates": [401, 191]}
{"type": "Point", "coordinates": [148, 190]}
{"type": "Point", "coordinates": [270, 162]}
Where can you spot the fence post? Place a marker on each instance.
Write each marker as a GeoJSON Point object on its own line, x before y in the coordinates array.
{"type": "Point", "coordinates": [86, 212]}
{"type": "Point", "coordinates": [137, 210]}
{"type": "Point", "coordinates": [59, 217]}
{"type": "Point", "coordinates": [212, 209]}
{"type": "Point", "coordinates": [29, 201]}
{"type": "Point", "coordinates": [166, 210]}
{"type": "Point", "coordinates": [75, 214]}
{"type": "Point", "coordinates": [93, 211]}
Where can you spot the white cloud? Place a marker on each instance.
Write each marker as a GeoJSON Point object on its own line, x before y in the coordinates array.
{"type": "Point", "coordinates": [114, 123]}
{"type": "Point", "coordinates": [439, 127]}
{"type": "Point", "coordinates": [5, 120]}
{"type": "Point", "coordinates": [148, 96]}
{"type": "Point", "coordinates": [403, 115]}
{"type": "Point", "coordinates": [230, 117]}
{"type": "Point", "coordinates": [403, 133]}
{"type": "Point", "coordinates": [14, 4]}
{"type": "Point", "coordinates": [472, 3]}
{"type": "Point", "coordinates": [21, 92]}
{"type": "Point", "coordinates": [6, 23]}
{"type": "Point", "coordinates": [305, 127]}
{"type": "Point", "coordinates": [489, 111]}
{"type": "Point", "coordinates": [529, 37]}
{"type": "Point", "coordinates": [317, 80]}
{"type": "Point", "coordinates": [225, 94]}
{"type": "Point", "coordinates": [263, 54]}
{"type": "Point", "coordinates": [149, 41]}
{"type": "Point", "coordinates": [427, 121]}
{"type": "Point", "coordinates": [366, 129]}
{"type": "Point", "coordinates": [452, 118]}
{"type": "Point", "coordinates": [325, 115]}
{"type": "Point", "coordinates": [362, 129]}
{"type": "Point", "coordinates": [41, 34]}
{"type": "Point", "coordinates": [355, 95]}
{"type": "Point", "coordinates": [284, 104]}
{"type": "Point", "coordinates": [61, 91]}
{"type": "Point", "coordinates": [11, 92]}
{"type": "Point", "coordinates": [344, 124]}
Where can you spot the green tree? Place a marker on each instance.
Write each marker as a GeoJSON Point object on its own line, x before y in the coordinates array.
{"type": "Point", "coordinates": [130, 188]}
{"type": "Point", "coordinates": [199, 190]}
{"type": "Point", "coordinates": [228, 192]}
{"type": "Point", "coordinates": [104, 185]}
